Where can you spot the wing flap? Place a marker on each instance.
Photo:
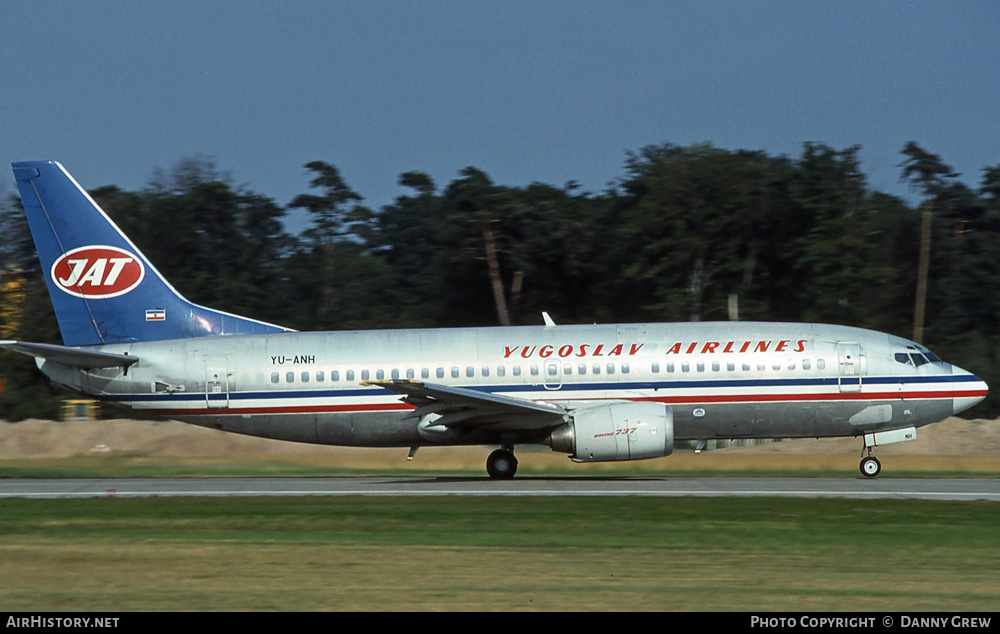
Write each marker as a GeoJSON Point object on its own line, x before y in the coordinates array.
{"type": "Point", "coordinates": [462, 406]}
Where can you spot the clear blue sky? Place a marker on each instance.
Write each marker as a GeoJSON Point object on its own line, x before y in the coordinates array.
{"type": "Point", "coordinates": [537, 90]}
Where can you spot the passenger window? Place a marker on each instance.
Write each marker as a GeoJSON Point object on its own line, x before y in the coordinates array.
{"type": "Point", "coordinates": [597, 368]}
{"type": "Point", "coordinates": [534, 370]}
{"type": "Point", "coordinates": [454, 373]}
{"type": "Point", "coordinates": [611, 368]}
{"type": "Point", "coordinates": [439, 373]}
{"type": "Point", "coordinates": [517, 370]}
{"type": "Point", "coordinates": [320, 376]}
{"type": "Point", "coordinates": [582, 369]}
{"type": "Point", "coordinates": [501, 370]}
{"type": "Point", "coordinates": [731, 367]}
{"type": "Point", "coordinates": [395, 374]}
{"type": "Point", "coordinates": [350, 375]}
{"type": "Point", "coordinates": [820, 364]}
{"type": "Point", "coordinates": [470, 371]}
{"type": "Point", "coordinates": [425, 373]}
{"type": "Point", "coordinates": [715, 366]}
{"type": "Point", "coordinates": [670, 367]}
{"type": "Point", "coordinates": [410, 374]}
{"type": "Point", "coordinates": [805, 364]}
{"type": "Point", "coordinates": [655, 367]}
{"type": "Point", "coordinates": [700, 367]}
{"type": "Point", "coordinates": [685, 367]}
{"type": "Point", "coordinates": [274, 377]}
{"type": "Point", "coordinates": [364, 375]}
{"type": "Point", "coordinates": [625, 368]}
{"type": "Point", "coordinates": [290, 377]}
{"type": "Point", "coordinates": [380, 374]}
{"type": "Point", "coordinates": [305, 377]}
{"type": "Point", "coordinates": [486, 371]}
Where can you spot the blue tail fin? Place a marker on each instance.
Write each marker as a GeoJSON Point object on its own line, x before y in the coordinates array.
{"type": "Point", "coordinates": [103, 288]}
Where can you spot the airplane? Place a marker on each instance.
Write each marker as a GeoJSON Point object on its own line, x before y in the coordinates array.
{"type": "Point", "coordinates": [596, 392]}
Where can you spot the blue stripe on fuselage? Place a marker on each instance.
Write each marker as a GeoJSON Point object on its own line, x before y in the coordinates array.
{"type": "Point", "coordinates": [539, 387]}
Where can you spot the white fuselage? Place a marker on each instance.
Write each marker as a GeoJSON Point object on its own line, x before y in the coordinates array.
{"type": "Point", "coordinates": [722, 380]}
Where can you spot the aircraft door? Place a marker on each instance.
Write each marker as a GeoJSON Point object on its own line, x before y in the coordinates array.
{"type": "Point", "coordinates": [850, 367]}
{"type": "Point", "coordinates": [216, 382]}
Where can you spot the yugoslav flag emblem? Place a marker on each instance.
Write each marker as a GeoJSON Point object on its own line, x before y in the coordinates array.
{"type": "Point", "coordinates": [97, 272]}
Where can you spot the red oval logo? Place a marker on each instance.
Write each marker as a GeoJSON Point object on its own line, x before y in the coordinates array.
{"type": "Point", "coordinates": [97, 272]}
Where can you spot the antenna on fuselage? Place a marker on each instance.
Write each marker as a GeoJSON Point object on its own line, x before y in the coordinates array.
{"type": "Point", "coordinates": [548, 320]}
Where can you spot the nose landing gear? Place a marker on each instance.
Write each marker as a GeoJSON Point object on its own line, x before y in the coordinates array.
{"type": "Point", "coordinates": [870, 466]}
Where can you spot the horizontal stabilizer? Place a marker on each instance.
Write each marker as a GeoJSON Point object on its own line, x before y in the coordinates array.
{"type": "Point", "coordinates": [72, 357]}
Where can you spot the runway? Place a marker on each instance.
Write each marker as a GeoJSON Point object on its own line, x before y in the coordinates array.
{"type": "Point", "coordinates": [413, 486]}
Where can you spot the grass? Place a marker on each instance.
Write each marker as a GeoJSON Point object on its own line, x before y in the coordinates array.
{"type": "Point", "coordinates": [498, 554]}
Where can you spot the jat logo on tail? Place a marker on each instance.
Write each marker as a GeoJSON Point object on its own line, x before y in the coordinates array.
{"type": "Point", "coordinates": [97, 272]}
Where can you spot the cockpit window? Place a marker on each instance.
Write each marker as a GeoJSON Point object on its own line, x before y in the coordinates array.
{"type": "Point", "coordinates": [916, 357]}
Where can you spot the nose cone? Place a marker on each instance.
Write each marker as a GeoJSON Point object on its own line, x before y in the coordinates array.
{"type": "Point", "coordinates": [969, 390]}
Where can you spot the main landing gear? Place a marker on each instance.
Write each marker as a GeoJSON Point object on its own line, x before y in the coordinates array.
{"type": "Point", "coordinates": [870, 466]}
{"type": "Point", "coordinates": [502, 465]}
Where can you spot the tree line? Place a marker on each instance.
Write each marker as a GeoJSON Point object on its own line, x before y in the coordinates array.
{"type": "Point", "coordinates": [685, 234]}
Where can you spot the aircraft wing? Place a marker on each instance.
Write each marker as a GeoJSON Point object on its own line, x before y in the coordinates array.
{"type": "Point", "coordinates": [463, 407]}
{"type": "Point", "coordinates": [72, 357]}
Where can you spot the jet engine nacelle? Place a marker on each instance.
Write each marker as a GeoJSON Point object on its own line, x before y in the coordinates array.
{"type": "Point", "coordinates": [617, 431]}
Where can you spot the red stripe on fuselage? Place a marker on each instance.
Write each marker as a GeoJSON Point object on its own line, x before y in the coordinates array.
{"type": "Point", "coordinates": [290, 409]}
{"type": "Point", "coordinates": [668, 400]}
{"type": "Point", "coordinates": [840, 396]}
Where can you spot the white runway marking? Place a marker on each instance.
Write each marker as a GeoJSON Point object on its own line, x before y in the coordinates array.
{"type": "Point", "coordinates": [410, 486]}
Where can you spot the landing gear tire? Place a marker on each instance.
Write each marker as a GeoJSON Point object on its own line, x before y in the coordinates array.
{"type": "Point", "coordinates": [501, 465]}
{"type": "Point", "coordinates": [870, 467]}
